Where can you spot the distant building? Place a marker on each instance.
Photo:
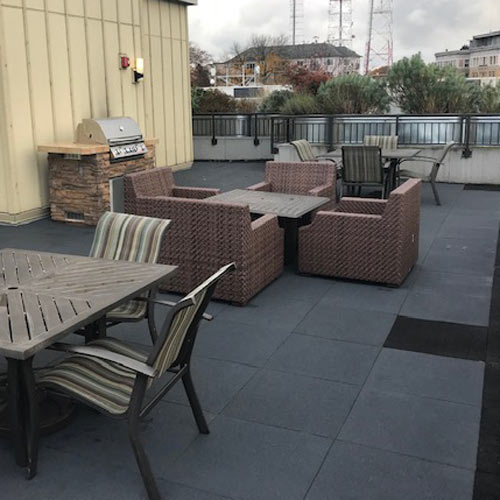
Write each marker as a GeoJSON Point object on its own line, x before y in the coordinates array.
{"type": "Point", "coordinates": [266, 65]}
{"type": "Point", "coordinates": [480, 59]}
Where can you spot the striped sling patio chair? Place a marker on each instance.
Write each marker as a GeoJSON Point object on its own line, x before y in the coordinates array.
{"type": "Point", "coordinates": [134, 239]}
{"type": "Point", "coordinates": [363, 166]}
{"type": "Point", "coordinates": [115, 377]}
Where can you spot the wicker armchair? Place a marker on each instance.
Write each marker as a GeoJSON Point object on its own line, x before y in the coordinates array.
{"type": "Point", "coordinates": [158, 182]}
{"type": "Point", "coordinates": [365, 239]}
{"type": "Point", "coordinates": [204, 236]}
{"type": "Point", "coordinates": [308, 178]}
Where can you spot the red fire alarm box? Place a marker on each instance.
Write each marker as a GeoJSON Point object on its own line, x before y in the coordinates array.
{"type": "Point", "coordinates": [124, 62]}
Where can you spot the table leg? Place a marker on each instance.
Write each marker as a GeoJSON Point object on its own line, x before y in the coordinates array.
{"type": "Point", "coordinates": [23, 413]}
{"type": "Point", "coordinates": [291, 227]}
{"type": "Point", "coordinates": [32, 418]}
{"type": "Point", "coordinates": [16, 411]}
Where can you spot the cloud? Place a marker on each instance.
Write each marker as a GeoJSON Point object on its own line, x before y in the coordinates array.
{"type": "Point", "coordinates": [428, 26]}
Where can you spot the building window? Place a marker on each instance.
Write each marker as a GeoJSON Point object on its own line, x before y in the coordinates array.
{"type": "Point", "coordinates": [484, 61]}
{"type": "Point", "coordinates": [466, 63]}
{"type": "Point", "coordinates": [328, 62]}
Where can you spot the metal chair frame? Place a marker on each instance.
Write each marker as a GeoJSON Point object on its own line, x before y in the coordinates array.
{"type": "Point", "coordinates": [181, 369]}
{"type": "Point", "coordinates": [436, 164]}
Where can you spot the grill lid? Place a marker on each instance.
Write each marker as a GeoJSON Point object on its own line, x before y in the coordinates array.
{"type": "Point", "coordinates": [109, 131]}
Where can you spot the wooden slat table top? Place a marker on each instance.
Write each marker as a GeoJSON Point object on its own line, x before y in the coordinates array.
{"type": "Point", "coordinates": [45, 296]}
{"type": "Point", "coordinates": [292, 206]}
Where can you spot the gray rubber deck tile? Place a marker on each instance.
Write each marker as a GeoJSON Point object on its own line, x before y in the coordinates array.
{"type": "Point", "coordinates": [166, 432]}
{"type": "Point", "coordinates": [464, 256]}
{"type": "Point", "coordinates": [426, 428]}
{"type": "Point", "coordinates": [352, 325]}
{"type": "Point", "coordinates": [329, 359]}
{"type": "Point", "coordinates": [251, 461]}
{"type": "Point", "coordinates": [353, 472]}
{"type": "Point", "coordinates": [216, 382]}
{"type": "Point", "coordinates": [365, 296]}
{"type": "Point", "coordinates": [273, 312]}
{"type": "Point", "coordinates": [294, 402]}
{"type": "Point", "coordinates": [428, 281]}
{"type": "Point", "coordinates": [454, 307]}
{"type": "Point", "coordinates": [238, 342]}
{"type": "Point", "coordinates": [292, 286]}
{"type": "Point", "coordinates": [449, 379]}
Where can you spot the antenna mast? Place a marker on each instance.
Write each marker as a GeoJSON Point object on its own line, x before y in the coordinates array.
{"type": "Point", "coordinates": [379, 46]}
{"type": "Point", "coordinates": [340, 23]}
{"type": "Point", "coordinates": [296, 20]}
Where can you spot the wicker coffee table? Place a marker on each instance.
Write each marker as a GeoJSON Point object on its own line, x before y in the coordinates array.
{"type": "Point", "coordinates": [293, 211]}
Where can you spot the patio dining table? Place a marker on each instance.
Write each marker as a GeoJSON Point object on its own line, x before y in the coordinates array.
{"type": "Point", "coordinates": [43, 298]}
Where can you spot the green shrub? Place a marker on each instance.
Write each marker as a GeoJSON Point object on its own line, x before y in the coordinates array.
{"type": "Point", "coordinates": [353, 94]}
{"type": "Point", "coordinates": [274, 102]}
{"type": "Point", "coordinates": [300, 104]}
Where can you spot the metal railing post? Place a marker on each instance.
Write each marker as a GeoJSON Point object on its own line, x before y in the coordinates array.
{"type": "Point", "coordinates": [214, 137]}
{"type": "Point", "coordinates": [396, 132]}
{"type": "Point", "coordinates": [467, 152]}
{"type": "Point", "coordinates": [288, 130]}
{"type": "Point", "coordinates": [273, 151]}
{"type": "Point", "coordinates": [330, 133]}
{"type": "Point", "coordinates": [256, 140]}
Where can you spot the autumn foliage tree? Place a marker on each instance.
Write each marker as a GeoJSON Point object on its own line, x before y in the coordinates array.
{"type": "Point", "coordinates": [305, 81]}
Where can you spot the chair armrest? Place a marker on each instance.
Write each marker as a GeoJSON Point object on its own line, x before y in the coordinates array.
{"type": "Point", "coordinates": [261, 186]}
{"type": "Point", "coordinates": [428, 159]}
{"type": "Point", "coordinates": [194, 192]}
{"type": "Point", "coordinates": [361, 206]}
{"type": "Point", "coordinates": [169, 303]}
{"type": "Point", "coordinates": [101, 353]}
{"type": "Point", "coordinates": [324, 190]}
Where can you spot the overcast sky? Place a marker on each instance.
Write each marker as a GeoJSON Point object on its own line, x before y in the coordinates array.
{"type": "Point", "coordinates": [427, 26]}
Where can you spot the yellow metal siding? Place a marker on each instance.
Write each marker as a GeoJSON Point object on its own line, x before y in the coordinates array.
{"type": "Point", "coordinates": [60, 63]}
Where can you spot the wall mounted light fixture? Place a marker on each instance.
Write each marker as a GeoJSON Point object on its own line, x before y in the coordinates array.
{"type": "Point", "coordinates": [138, 69]}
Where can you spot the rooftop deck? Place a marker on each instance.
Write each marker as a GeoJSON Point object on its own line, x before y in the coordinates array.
{"type": "Point", "coordinates": [319, 388]}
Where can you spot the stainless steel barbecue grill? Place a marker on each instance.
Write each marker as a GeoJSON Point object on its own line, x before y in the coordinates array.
{"type": "Point", "coordinates": [122, 135]}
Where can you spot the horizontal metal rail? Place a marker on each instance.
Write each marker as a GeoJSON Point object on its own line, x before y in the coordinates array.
{"type": "Point", "coordinates": [437, 129]}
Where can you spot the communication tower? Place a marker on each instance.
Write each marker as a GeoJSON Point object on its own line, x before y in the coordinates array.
{"type": "Point", "coordinates": [340, 23]}
{"type": "Point", "coordinates": [379, 48]}
{"type": "Point", "coordinates": [297, 21]}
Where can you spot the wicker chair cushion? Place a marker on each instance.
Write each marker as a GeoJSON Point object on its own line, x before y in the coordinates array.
{"type": "Point", "coordinates": [304, 150]}
{"type": "Point", "coordinates": [384, 141]}
{"type": "Point", "coordinates": [131, 238]}
{"type": "Point", "coordinates": [362, 164]}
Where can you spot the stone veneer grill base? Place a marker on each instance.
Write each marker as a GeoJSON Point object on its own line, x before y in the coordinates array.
{"type": "Point", "coordinates": [79, 184]}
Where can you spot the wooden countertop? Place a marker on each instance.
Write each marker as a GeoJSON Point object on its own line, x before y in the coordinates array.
{"type": "Point", "coordinates": [80, 149]}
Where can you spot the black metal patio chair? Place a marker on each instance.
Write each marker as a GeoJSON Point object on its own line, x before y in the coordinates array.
{"type": "Point", "coordinates": [114, 376]}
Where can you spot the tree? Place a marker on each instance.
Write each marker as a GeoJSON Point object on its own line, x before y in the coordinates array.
{"type": "Point", "coordinates": [304, 80]}
{"type": "Point", "coordinates": [274, 102]}
{"type": "Point", "coordinates": [213, 101]}
{"type": "Point", "coordinates": [353, 94]}
{"type": "Point", "coordinates": [418, 87]}
{"type": "Point", "coordinates": [301, 104]}
{"type": "Point", "coordinates": [199, 59]}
